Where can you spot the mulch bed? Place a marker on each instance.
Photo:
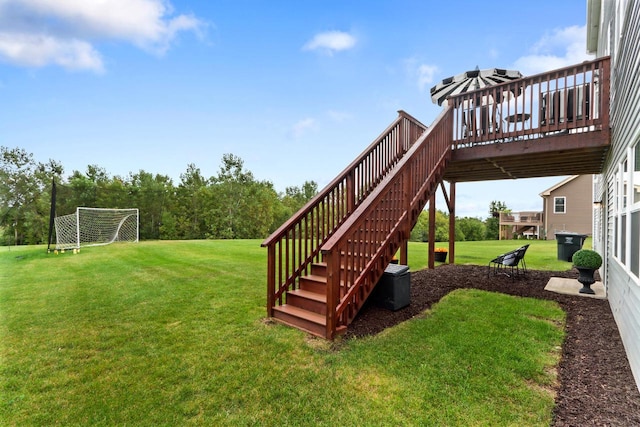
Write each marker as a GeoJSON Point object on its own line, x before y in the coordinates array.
{"type": "Point", "coordinates": [596, 386]}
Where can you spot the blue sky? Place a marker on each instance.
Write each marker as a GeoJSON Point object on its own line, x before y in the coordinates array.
{"type": "Point", "coordinates": [296, 89]}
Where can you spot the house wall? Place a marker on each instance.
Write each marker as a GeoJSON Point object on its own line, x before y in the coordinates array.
{"type": "Point", "coordinates": [624, 299]}
{"type": "Point", "coordinates": [577, 218]}
{"type": "Point", "coordinates": [619, 36]}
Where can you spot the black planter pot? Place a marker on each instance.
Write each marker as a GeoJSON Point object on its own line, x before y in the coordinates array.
{"type": "Point", "coordinates": [586, 278]}
{"type": "Point", "coordinates": [440, 256]}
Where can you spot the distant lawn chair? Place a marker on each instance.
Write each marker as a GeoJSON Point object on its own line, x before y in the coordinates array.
{"type": "Point", "coordinates": [511, 264]}
{"type": "Point", "coordinates": [483, 121]}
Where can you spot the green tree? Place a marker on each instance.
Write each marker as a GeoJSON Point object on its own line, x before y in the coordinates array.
{"type": "Point", "coordinates": [153, 196]}
{"type": "Point", "coordinates": [492, 223]}
{"type": "Point", "coordinates": [442, 228]}
{"type": "Point", "coordinates": [259, 211]}
{"type": "Point", "coordinates": [168, 228]}
{"type": "Point", "coordinates": [420, 231]}
{"type": "Point", "coordinates": [295, 198]}
{"type": "Point", "coordinates": [192, 198]}
{"type": "Point", "coordinates": [83, 192]}
{"type": "Point", "coordinates": [115, 193]}
{"type": "Point", "coordinates": [17, 189]}
{"type": "Point", "coordinates": [471, 228]}
{"type": "Point", "coordinates": [244, 208]}
{"type": "Point", "coordinates": [25, 196]}
{"type": "Point", "coordinates": [496, 206]}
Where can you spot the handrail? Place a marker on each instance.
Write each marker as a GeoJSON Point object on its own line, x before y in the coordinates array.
{"type": "Point", "coordinates": [520, 217]}
{"type": "Point", "coordinates": [568, 100]}
{"type": "Point", "coordinates": [296, 244]}
{"type": "Point", "coordinates": [358, 253]}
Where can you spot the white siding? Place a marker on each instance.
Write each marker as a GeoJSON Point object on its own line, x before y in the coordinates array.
{"type": "Point", "coordinates": [620, 37]}
{"type": "Point", "coordinates": [624, 298]}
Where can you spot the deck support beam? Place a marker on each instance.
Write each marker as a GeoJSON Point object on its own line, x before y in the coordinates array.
{"type": "Point", "coordinates": [452, 222]}
{"type": "Point", "coordinates": [450, 200]}
{"type": "Point", "coordinates": [432, 230]}
{"type": "Point", "coordinates": [404, 252]}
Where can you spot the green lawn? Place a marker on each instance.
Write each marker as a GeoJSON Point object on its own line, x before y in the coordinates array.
{"type": "Point", "coordinates": [173, 333]}
{"type": "Point", "coordinates": [541, 255]}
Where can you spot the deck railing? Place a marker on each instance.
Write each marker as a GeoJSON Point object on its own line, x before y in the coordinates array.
{"type": "Point", "coordinates": [567, 100]}
{"type": "Point", "coordinates": [358, 253]}
{"type": "Point", "coordinates": [520, 217]}
{"type": "Point", "coordinates": [296, 244]}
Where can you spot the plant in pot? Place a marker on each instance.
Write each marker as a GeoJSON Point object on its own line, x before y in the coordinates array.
{"type": "Point", "coordinates": [587, 262]}
{"type": "Point", "coordinates": [440, 254]}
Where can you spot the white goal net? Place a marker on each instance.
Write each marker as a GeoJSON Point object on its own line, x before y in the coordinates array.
{"type": "Point", "coordinates": [96, 226]}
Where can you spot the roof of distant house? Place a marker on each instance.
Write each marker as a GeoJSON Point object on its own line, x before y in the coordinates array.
{"type": "Point", "coordinates": [548, 191]}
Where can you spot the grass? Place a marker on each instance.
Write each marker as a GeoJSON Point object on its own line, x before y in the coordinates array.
{"type": "Point", "coordinates": [541, 255]}
{"type": "Point", "coordinates": [173, 333]}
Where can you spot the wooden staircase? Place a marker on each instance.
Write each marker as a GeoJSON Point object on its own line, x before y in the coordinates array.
{"type": "Point", "coordinates": [306, 307]}
{"type": "Point", "coordinates": [326, 260]}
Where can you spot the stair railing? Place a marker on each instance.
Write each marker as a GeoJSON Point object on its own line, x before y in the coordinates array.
{"type": "Point", "coordinates": [358, 253]}
{"type": "Point", "coordinates": [293, 247]}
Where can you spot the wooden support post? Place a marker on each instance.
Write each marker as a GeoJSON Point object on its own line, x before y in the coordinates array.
{"type": "Point", "coordinates": [452, 222]}
{"type": "Point", "coordinates": [271, 278]}
{"type": "Point", "coordinates": [432, 230]}
{"type": "Point", "coordinates": [404, 252]}
{"type": "Point", "coordinates": [450, 199]}
{"type": "Point", "coordinates": [332, 276]}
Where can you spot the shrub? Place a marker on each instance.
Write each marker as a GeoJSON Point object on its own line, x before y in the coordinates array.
{"type": "Point", "coordinates": [587, 258]}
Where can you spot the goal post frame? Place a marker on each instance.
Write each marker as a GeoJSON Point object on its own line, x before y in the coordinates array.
{"type": "Point", "coordinates": [77, 230]}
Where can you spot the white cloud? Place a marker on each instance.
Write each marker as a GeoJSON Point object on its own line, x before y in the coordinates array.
{"type": "Point", "coordinates": [425, 75]}
{"type": "Point", "coordinates": [40, 50]}
{"type": "Point", "coordinates": [560, 48]}
{"type": "Point", "coordinates": [422, 74]}
{"type": "Point", "coordinates": [330, 42]}
{"type": "Point", "coordinates": [36, 33]}
{"type": "Point", "coordinates": [303, 126]}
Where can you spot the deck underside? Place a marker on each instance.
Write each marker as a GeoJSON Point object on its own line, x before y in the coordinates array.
{"type": "Point", "coordinates": [556, 155]}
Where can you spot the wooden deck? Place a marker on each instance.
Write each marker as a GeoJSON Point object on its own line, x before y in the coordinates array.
{"type": "Point", "coordinates": [520, 222]}
{"type": "Point", "coordinates": [550, 124]}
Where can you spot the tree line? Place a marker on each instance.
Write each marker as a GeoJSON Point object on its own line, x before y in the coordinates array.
{"type": "Point", "coordinates": [230, 205]}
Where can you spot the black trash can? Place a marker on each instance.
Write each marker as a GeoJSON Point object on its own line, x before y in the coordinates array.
{"type": "Point", "coordinates": [568, 244]}
{"type": "Point", "coordinates": [393, 290]}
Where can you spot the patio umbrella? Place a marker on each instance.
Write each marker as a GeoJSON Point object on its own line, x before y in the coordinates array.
{"type": "Point", "coordinates": [471, 80]}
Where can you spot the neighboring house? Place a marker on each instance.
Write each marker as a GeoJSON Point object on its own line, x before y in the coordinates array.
{"type": "Point", "coordinates": [568, 206]}
{"type": "Point", "coordinates": [520, 224]}
{"type": "Point", "coordinates": [613, 28]}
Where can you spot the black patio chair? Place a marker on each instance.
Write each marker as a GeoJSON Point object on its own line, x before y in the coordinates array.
{"type": "Point", "coordinates": [511, 264]}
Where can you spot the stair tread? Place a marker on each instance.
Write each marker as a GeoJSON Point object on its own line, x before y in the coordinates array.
{"type": "Point", "coordinates": [324, 265]}
{"type": "Point", "coordinates": [309, 295]}
{"type": "Point", "coordinates": [302, 313]}
{"type": "Point", "coordinates": [315, 278]}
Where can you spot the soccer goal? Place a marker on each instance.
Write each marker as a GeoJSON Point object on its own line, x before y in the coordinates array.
{"type": "Point", "coordinates": [95, 227]}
